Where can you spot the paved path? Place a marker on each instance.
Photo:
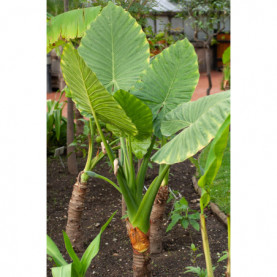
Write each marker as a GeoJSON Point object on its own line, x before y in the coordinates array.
{"type": "Point", "coordinates": [200, 90]}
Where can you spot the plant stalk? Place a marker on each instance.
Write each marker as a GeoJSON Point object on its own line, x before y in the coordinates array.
{"type": "Point", "coordinates": [206, 246]}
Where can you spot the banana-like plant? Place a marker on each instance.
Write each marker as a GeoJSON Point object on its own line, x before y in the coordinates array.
{"type": "Point", "coordinates": [213, 163]}
{"type": "Point", "coordinates": [61, 30]}
{"type": "Point", "coordinates": [113, 58]}
{"type": "Point", "coordinates": [69, 25]}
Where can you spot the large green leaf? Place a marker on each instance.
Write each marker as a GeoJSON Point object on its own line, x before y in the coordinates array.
{"type": "Point", "coordinates": [115, 48]}
{"type": "Point", "coordinates": [89, 94]}
{"type": "Point", "coordinates": [54, 252]}
{"type": "Point", "coordinates": [69, 25]}
{"type": "Point", "coordinates": [93, 248]}
{"type": "Point", "coordinates": [200, 121]}
{"type": "Point", "coordinates": [215, 155]}
{"type": "Point", "coordinates": [62, 271]}
{"type": "Point", "coordinates": [137, 111]}
{"type": "Point", "coordinates": [170, 80]}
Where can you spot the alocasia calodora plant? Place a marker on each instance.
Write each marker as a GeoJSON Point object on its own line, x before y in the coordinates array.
{"type": "Point", "coordinates": [113, 59]}
{"type": "Point", "coordinates": [61, 30]}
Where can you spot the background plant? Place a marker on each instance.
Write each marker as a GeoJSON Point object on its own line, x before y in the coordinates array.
{"type": "Point", "coordinates": [56, 124]}
{"type": "Point", "coordinates": [208, 17]}
{"type": "Point", "coordinates": [226, 60]}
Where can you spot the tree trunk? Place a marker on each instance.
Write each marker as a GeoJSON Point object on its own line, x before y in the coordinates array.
{"type": "Point", "coordinates": [141, 255]}
{"type": "Point", "coordinates": [71, 160]}
{"type": "Point", "coordinates": [66, 5]}
{"type": "Point", "coordinates": [208, 68]}
{"type": "Point", "coordinates": [75, 210]}
{"type": "Point", "coordinates": [156, 220]}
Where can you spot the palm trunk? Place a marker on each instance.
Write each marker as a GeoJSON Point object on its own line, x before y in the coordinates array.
{"type": "Point", "coordinates": [141, 254]}
{"type": "Point", "coordinates": [156, 219]}
{"type": "Point", "coordinates": [75, 210]}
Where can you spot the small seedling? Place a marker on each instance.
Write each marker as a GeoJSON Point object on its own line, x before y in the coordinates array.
{"type": "Point", "coordinates": [184, 215]}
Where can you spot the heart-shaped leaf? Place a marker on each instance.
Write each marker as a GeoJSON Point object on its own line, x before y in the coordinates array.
{"type": "Point", "coordinates": [200, 121]}
{"type": "Point", "coordinates": [169, 81]}
{"type": "Point", "coordinates": [115, 48]}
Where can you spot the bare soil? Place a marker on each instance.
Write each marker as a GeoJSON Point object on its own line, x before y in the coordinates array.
{"type": "Point", "coordinates": [115, 256]}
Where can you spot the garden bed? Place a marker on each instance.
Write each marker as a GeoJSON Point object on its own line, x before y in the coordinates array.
{"type": "Point", "coordinates": [115, 256]}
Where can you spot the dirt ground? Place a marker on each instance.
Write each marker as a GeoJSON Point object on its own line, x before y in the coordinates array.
{"type": "Point", "coordinates": [115, 256]}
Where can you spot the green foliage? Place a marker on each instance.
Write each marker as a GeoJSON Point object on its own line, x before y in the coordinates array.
{"type": "Point", "coordinates": [226, 56]}
{"type": "Point", "coordinates": [89, 95]}
{"type": "Point", "coordinates": [78, 267]}
{"type": "Point", "coordinates": [214, 161]}
{"type": "Point", "coordinates": [198, 122]}
{"type": "Point", "coordinates": [55, 7]}
{"type": "Point", "coordinates": [220, 190]}
{"type": "Point", "coordinates": [170, 80]}
{"type": "Point", "coordinates": [138, 9]}
{"type": "Point", "coordinates": [200, 272]}
{"type": "Point", "coordinates": [158, 42]}
{"type": "Point", "coordinates": [56, 125]}
{"type": "Point", "coordinates": [117, 60]}
{"type": "Point", "coordinates": [205, 15]}
{"type": "Point", "coordinates": [114, 58]}
{"type": "Point", "coordinates": [215, 155]}
{"type": "Point", "coordinates": [138, 112]}
{"type": "Point", "coordinates": [194, 255]}
{"type": "Point", "coordinates": [69, 25]}
{"type": "Point", "coordinates": [226, 59]}
{"type": "Point", "coordinates": [182, 214]}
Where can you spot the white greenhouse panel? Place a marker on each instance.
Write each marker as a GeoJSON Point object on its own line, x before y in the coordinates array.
{"type": "Point", "coordinates": [161, 21]}
{"type": "Point", "coordinates": [177, 24]}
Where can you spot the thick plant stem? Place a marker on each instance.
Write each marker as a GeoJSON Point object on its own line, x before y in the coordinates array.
{"type": "Point", "coordinates": [156, 220]}
{"type": "Point", "coordinates": [228, 269]}
{"type": "Point", "coordinates": [206, 247]}
{"type": "Point", "coordinates": [141, 264]}
{"type": "Point", "coordinates": [141, 254]}
{"type": "Point", "coordinates": [77, 201]}
{"type": "Point", "coordinates": [75, 210]}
